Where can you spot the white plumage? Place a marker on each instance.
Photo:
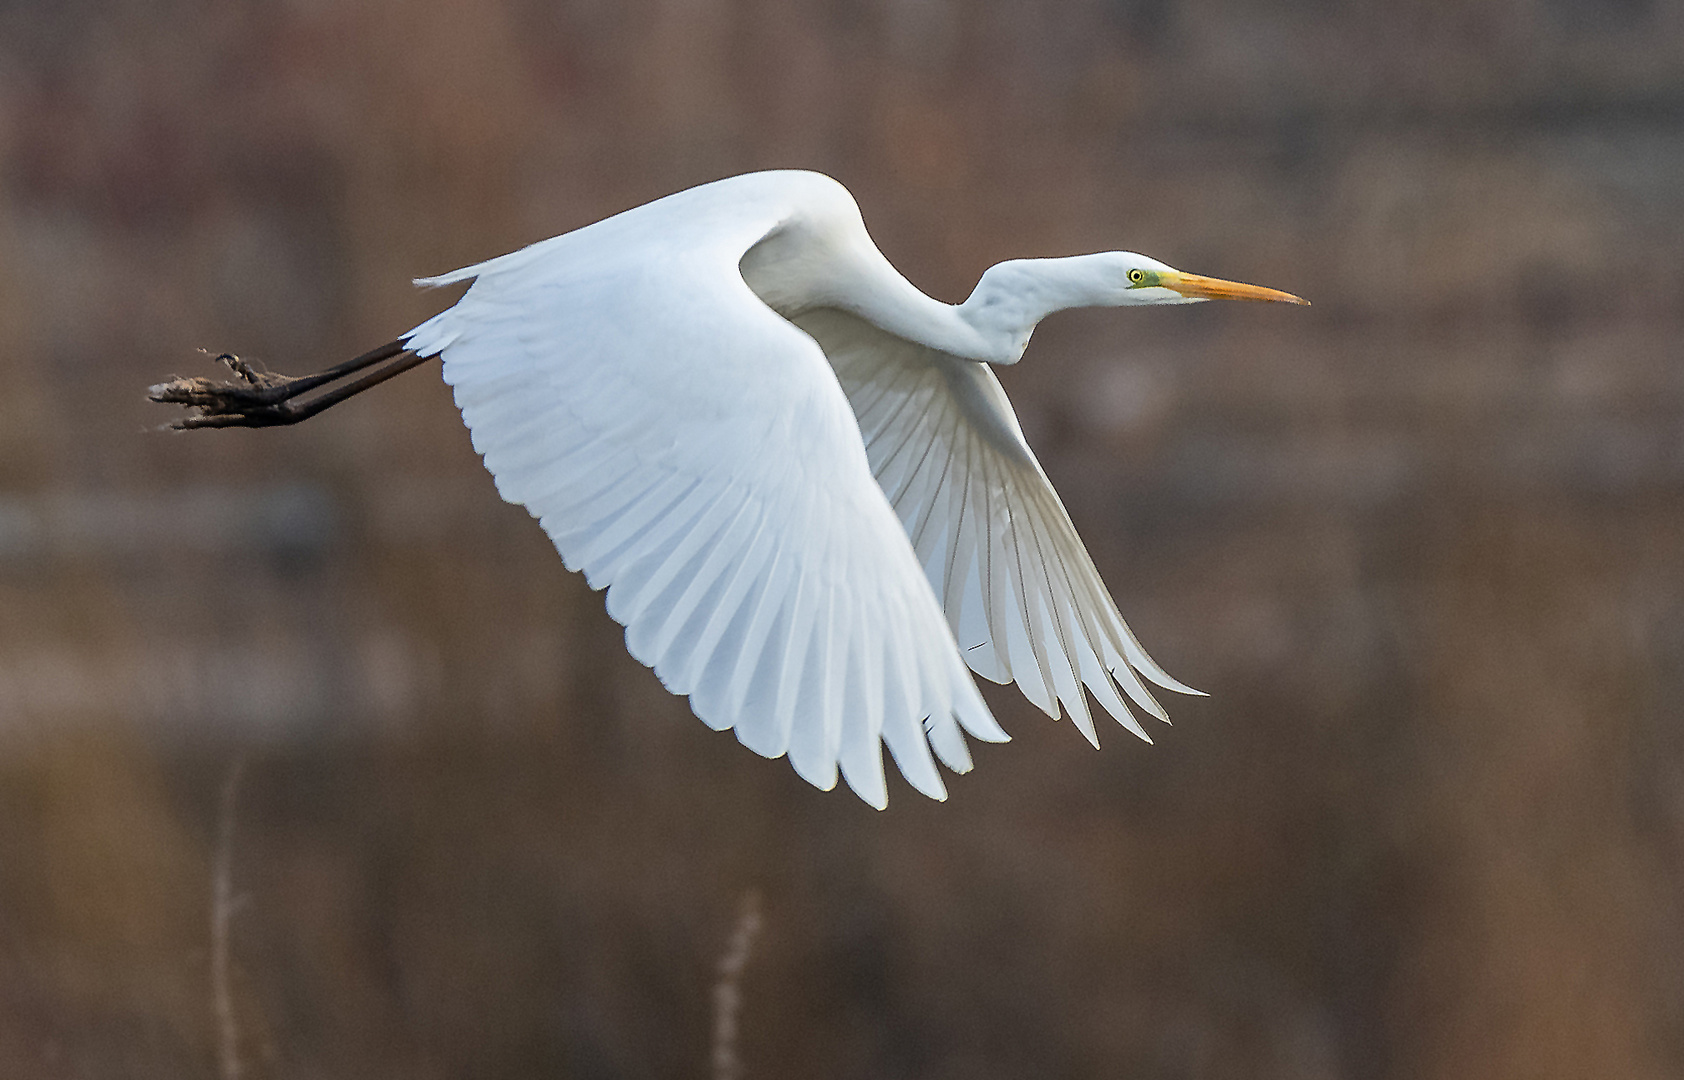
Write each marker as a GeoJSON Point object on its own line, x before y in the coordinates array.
{"type": "Point", "coordinates": [795, 474]}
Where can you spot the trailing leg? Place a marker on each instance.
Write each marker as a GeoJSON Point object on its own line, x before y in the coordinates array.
{"type": "Point", "coordinates": [263, 399]}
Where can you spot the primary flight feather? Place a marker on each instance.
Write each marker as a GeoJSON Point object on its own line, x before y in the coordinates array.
{"type": "Point", "coordinates": [794, 473]}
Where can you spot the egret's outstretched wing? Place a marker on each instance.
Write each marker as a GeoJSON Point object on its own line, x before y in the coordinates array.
{"type": "Point", "coordinates": [690, 451]}
{"type": "Point", "coordinates": [1019, 589]}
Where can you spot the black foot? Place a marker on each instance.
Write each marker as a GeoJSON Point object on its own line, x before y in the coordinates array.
{"type": "Point", "coordinates": [262, 399]}
{"type": "Point", "coordinates": [257, 399]}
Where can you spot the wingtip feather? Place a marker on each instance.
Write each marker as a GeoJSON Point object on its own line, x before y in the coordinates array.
{"type": "Point", "coordinates": [1169, 682]}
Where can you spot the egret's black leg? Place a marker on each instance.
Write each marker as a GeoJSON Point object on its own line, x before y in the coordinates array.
{"type": "Point", "coordinates": [263, 399]}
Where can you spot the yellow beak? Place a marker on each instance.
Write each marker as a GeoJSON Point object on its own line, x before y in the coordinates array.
{"type": "Point", "coordinates": [1206, 288]}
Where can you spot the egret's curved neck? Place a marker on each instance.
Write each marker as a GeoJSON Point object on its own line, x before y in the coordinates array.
{"type": "Point", "coordinates": [995, 322]}
{"type": "Point", "coordinates": [835, 264]}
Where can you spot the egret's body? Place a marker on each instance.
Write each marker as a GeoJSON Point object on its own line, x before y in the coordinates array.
{"type": "Point", "coordinates": [795, 474]}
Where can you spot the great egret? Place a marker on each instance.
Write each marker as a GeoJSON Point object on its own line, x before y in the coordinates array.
{"type": "Point", "coordinates": [795, 474]}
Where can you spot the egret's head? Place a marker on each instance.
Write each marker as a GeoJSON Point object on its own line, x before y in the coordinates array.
{"type": "Point", "coordinates": [1148, 281]}
{"type": "Point", "coordinates": [1014, 296]}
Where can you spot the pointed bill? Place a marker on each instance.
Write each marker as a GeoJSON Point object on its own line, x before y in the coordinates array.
{"type": "Point", "coordinates": [1205, 288]}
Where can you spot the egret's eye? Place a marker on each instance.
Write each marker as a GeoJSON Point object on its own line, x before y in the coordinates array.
{"type": "Point", "coordinates": [1136, 277]}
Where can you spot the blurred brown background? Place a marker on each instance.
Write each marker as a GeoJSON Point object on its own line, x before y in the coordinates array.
{"type": "Point", "coordinates": [1423, 542]}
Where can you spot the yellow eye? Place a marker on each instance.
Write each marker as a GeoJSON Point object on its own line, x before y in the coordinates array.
{"type": "Point", "coordinates": [1137, 276]}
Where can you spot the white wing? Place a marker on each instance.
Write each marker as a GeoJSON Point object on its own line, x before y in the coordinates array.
{"type": "Point", "coordinates": [690, 450]}
{"type": "Point", "coordinates": [1020, 591]}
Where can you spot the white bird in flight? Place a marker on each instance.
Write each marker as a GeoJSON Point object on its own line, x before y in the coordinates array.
{"type": "Point", "coordinates": [795, 474]}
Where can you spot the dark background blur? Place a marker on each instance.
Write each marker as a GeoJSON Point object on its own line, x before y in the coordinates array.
{"type": "Point", "coordinates": [1423, 542]}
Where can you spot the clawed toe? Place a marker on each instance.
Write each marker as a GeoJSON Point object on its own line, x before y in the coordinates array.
{"type": "Point", "coordinates": [264, 399]}
{"type": "Point", "coordinates": [257, 399]}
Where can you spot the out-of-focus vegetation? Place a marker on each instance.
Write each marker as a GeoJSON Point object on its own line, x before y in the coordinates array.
{"type": "Point", "coordinates": [1423, 542]}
